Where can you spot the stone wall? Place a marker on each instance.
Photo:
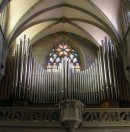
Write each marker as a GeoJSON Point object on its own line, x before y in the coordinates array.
{"type": "Point", "coordinates": [86, 51]}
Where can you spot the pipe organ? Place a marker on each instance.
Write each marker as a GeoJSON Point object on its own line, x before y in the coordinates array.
{"type": "Point", "coordinates": [25, 79]}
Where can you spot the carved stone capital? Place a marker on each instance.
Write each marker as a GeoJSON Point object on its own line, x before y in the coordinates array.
{"type": "Point", "coordinates": [71, 114]}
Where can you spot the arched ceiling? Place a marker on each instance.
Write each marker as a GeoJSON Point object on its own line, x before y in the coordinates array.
{"type": "Point", "coordinates": [91, 19]}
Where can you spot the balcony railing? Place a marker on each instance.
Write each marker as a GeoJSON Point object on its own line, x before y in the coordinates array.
{"type": "Point", "coordinates": [92, 117]}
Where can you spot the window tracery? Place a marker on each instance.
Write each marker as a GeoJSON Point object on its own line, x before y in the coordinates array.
{"type": "Point", "coordinates": [58, 53]}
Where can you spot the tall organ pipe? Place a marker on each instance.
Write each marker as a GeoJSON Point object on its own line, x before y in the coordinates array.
{"type": "Point", "coordinates": [98, 81]}
{"type": "Point", "coordinates": [105, 66]}
{"type": "Point", "coordinates": [115, 77]}
{"type": "Point", "coordinates": [25, 68]}
{"type": "Point", "coordinates": [94, 85]}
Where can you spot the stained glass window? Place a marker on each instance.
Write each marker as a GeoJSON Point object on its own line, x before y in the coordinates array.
{"type": "Point", "coordinates": [58, 53]}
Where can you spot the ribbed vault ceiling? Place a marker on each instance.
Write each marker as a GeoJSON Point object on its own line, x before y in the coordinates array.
{"type": "Point", "coordinates": [91, 19]}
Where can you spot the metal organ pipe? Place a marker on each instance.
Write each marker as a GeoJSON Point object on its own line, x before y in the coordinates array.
{"type": "Point", "coordinates": [102, 71]}
{"type": "Point", "coordinates": [89, 88]}
{"type": "Point", "coordinates": [29, 70]}
{"type": "Point", "coordinates": [49, 90]}
{"type": "Point", "coordinates": [32, 82]}
{"type": "Point", "coordinates": [20, 69]}
{"type": "Point", "coordinates": [25, 69]}
{"type": "Point", "coordinates": [109, 71]}
{"type": "Point", "coordinates": [16, 73]}
{"type": "Point", "coordinates": [92, 83]}
{"type": "Point", "coordinates": [42, 86]}
{"type": "Point", "coordinates": [98, 81]}
{"type": "Point", "coordinates": [38, 81]}
{"type": "Point", "coordinates": [39, 86]}
{"type": "Point", "coordinates": [106, 84]}
{"type": "Point", "coordinates": [95, 83]}
{"type": "Point", "coordinates": [86, 87]}
{"type": "Point", "coordinates": [52, 87]}
{"type": "Point", "coordinates": [115, 80]}
{"type": "Point", "coordinates": [82, 85]}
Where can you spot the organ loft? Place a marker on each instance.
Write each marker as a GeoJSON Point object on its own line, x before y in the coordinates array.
{"type": "Point", "coordinates": [64, 65]}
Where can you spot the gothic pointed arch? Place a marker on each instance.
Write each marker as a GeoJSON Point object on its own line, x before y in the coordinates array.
{"type": "Point", "coordinates": [58, 53]}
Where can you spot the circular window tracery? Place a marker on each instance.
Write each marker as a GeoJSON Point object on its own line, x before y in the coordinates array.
{"type": "Point", "coordinates": [58, 53]}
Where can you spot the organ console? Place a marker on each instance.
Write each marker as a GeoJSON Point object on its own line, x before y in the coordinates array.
{"type": "Point", "coordinates": [25, 79]}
